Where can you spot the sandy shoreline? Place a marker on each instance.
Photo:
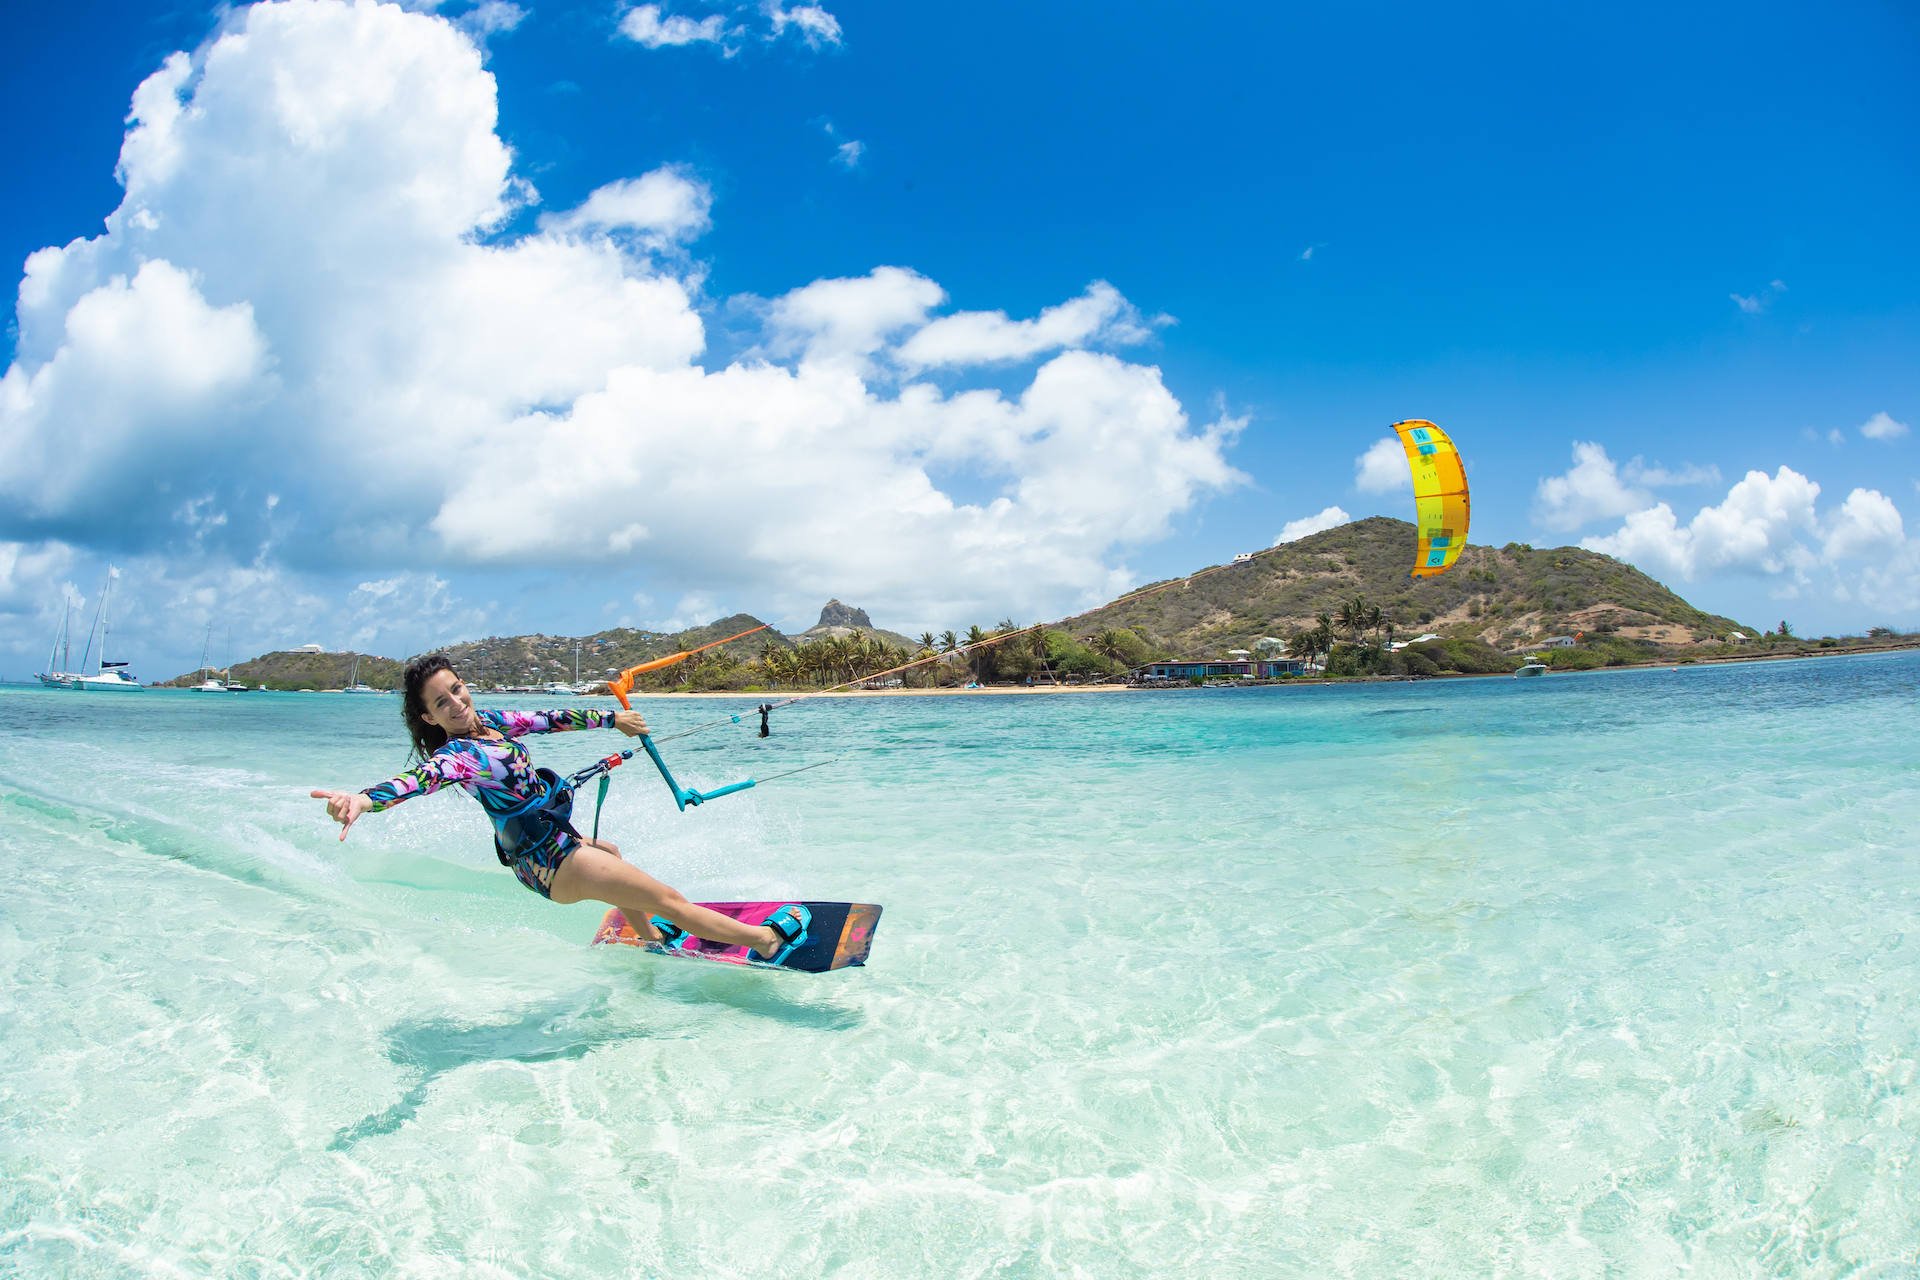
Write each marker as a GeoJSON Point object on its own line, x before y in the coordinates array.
{"type": "Point", "coordinates": [785, 695]}
{"type": "Point", "coordinates": [993, 691]}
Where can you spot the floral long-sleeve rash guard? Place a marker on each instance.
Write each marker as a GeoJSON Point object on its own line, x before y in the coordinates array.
{"type": "Point", "coordinates": [497, 772]}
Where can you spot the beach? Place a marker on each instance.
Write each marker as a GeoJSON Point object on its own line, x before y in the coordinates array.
{"type": "Point", "coordinates": [1569, 977]}
{"type": "Point", "coordinates": [1718, 659]}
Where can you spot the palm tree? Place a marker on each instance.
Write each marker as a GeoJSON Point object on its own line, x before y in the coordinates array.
{"type": "Point", "coordinates": [975, 637]}
{"type": "Point", "coordinates": [1038, 642]}
{"type": "Point", "coordinates": [1348, 616]}
{"type": "Point", "coordinates": [1111, 644]}
{"type": "Point", "coordinates": [848, 652]}
{"type": "Point", "coordinates": [1323, 635]}
{"type": "Point", "coordinates": [949, 645]}
{"type": "Point", "coordinates": [875, 655]}
{"type": "Point", "coordinates": [1300, 644]}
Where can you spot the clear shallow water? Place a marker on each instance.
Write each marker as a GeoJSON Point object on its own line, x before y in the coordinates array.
{"type": "Point", "coordinates": [1587, 976]}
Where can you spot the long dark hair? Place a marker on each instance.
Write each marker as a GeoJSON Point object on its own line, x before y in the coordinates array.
{"type": "Point", "coordinates": [427, 738]}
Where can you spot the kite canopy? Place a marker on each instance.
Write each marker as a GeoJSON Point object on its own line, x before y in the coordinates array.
{"type": "Point", "coordinates": [1439, 492]}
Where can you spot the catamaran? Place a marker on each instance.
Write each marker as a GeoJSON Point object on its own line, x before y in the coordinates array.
{"type": "Point", "coordinates": [107, 676]}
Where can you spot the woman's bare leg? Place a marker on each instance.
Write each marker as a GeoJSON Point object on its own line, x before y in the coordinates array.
{"type": "Point", "coordinates": [592, 872]}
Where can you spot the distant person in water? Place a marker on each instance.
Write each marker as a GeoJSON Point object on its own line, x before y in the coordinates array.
{"type": "Point", "coordinates": [531, 811]}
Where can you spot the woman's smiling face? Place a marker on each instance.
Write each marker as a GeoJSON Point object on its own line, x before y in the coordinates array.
{"type": "Point", "coordinates": [449, 705]}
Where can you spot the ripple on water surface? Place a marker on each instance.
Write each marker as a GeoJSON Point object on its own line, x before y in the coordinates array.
{"type": "Point", "coordinates": [1601, 975]}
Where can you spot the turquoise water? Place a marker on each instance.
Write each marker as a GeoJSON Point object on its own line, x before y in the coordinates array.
{"type": "Point", "coordinates": [1587, 976]}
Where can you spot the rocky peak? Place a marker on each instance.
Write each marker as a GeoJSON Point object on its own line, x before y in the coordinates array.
{"type": "Point", "coordinates": [836, 614]}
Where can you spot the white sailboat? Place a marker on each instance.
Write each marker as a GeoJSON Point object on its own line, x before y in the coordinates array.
{"type": "Point", "coordinates": [353, 680]}
{"type": "Point", "coordinates": [232, 685]}
{"type": "Point", "coordinates": [107, 676]}
{"type": "Point", "coordinates": [57, 676]}
{"type": "Point", "coordinates": [207, 683]}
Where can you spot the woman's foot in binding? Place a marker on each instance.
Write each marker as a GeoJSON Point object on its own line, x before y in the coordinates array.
{"type": "Point", "coordinates": [787, 928]}
{"type": "Point", "coordinates": [671, 934]}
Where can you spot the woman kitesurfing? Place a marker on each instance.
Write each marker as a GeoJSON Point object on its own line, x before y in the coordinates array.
{"type": "Point", "coordinates": [478, 750]}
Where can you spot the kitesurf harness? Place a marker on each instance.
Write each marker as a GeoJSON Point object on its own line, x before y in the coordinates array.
{"type": "Point", "coordinates": [537, 820]}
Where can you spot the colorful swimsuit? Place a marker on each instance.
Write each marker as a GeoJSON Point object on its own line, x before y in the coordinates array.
{"type": "Point", "coordinates": [532, 838]}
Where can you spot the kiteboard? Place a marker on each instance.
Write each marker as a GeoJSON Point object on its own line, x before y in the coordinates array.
{"type": "Point", "coordinates": [838, 937]}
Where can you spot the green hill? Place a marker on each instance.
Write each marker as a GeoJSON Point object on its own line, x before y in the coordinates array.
{"type": "Point", "coordinates": [1505, 597]}
{"type": "Point", "coordinates": [1492, 603]}
{"type": "Point", "coordinates": [295, 669]}
{"type": "Point", "coordinates": [508, 660]}
{"type": "Point", "coordinates": [536, 659]}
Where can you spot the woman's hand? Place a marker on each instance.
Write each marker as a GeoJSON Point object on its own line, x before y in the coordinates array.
{"type": "Point", "coordinates": [631, 723]}
{"type": "Point", "coordinates": [344, 807]}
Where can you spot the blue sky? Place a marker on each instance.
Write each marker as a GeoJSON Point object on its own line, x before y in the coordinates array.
{"type": "Point", "coordinates": [384, 327]}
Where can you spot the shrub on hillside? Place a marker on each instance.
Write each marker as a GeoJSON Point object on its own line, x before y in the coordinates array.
{"type": "Point", "coordinates": [1469, 657]}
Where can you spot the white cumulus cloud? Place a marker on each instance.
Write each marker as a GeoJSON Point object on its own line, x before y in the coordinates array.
{"type": "Point", "coordinates": [1327, 518]}
{"type": "Point", "coordinates": [851, 318]}
{"type": "Point", "coordinates": [1594, 488]}
{"type": "Point", "coordinates": [147, 371]}
{"type": "Point", "coordinates": [647, 25]}
{"type": "Point", "coordinates": [1769, 526]}
{"type": "Point", "coordinates": [666, 206]}
{"type": "Point", "coordinates": [492, 17]}
{"type": "Point", "coordinates": [1100, 315]}
{"type": "Point", "coordinates": [1882, 426]}
{"type": "Point", "coordinates": [1383, 468]}
{"type": "Point", "coordinates": [302, 344]}
{"type": "Point", "coordinates": [811, 22]}
{"type": "Point", "coordinates": [1755, 529]}
{"type": "Point", "coordinates": [1865, 523]}
{"type": "Point", "coordinates": [1591, 490]}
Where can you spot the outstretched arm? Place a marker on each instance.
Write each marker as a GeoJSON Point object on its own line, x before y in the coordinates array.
{"type": "Point", "coordinates": [516, 723]}
{"type": "Point", "coordinates": [436, 771]}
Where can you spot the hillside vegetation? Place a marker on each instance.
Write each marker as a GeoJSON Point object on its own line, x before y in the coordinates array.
{"type": "Point", "coordinates": [290, 669]}
{"type": "Point", "coordinates": [1502, 597]}
{"type": "Point", "coordinates": [1343, 594]}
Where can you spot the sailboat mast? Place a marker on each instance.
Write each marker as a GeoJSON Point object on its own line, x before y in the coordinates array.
{"type": "Point", "coordinates": [104, 592]}
{"type": "Point", "coordinates": [98, 613]}
{"type": "Point", "coordinates": [60, 639]}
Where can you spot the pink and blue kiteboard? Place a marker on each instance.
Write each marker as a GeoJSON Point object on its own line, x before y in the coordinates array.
{"type": "Point", "coordinates": [839, 935]}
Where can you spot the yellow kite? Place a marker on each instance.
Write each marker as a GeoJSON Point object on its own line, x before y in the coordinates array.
{"type": "Point", "coordinates": [1440, 493]}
